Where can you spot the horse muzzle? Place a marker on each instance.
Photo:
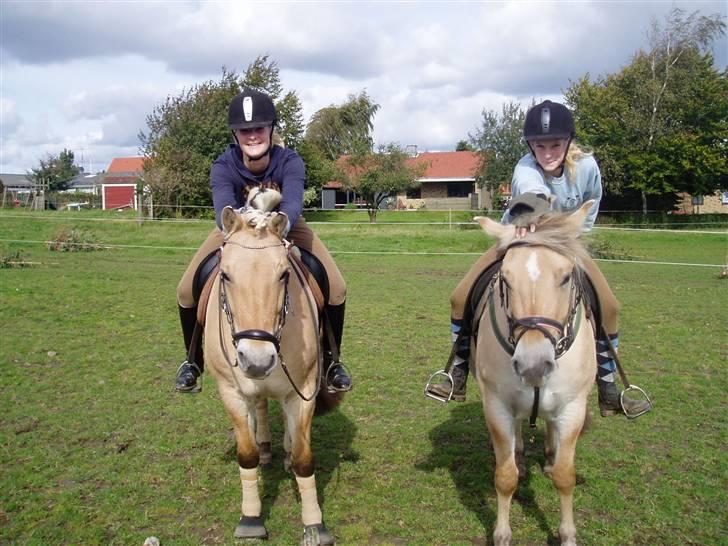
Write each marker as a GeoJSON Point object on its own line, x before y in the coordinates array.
{"type": "Point", "coordinates": [533, 361]}
{"type": "Point", "coordinates": [256, 359]}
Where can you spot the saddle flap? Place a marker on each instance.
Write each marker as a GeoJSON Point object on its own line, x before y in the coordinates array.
{"type": "Point", "coordinates": [305, 273]}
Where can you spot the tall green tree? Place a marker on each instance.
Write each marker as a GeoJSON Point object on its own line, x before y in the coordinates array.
{"type": "Point", "coordinates": [56, 171]}
{"type": "Point", "coordinates": [500, 145]}
{"type": "Point", "coordinates": [376, 176]}
{"type": "Point", "coordinates": [186, 133]}
{"type": "Point", "coordinates": [661, 124]}
{"type": "Point", "coordinates": [345, 129]}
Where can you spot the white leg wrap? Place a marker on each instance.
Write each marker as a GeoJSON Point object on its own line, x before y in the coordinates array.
{"type": "Point", "coordinates": [310, 510]}
{"type": "Point", "coordinates": [251, 498]}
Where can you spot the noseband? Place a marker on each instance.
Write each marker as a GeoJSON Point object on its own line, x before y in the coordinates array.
{"type": "Point", "coordinates": [517, 327]}
{"type": "Point", "coordinates": [254, 334]}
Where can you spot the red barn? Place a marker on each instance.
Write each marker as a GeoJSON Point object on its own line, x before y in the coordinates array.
{"type": "Point", "coordinates": [120, 182]}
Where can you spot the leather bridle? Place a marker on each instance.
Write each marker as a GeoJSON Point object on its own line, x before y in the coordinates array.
{"type": "Point", "coordinates": [254, 334]}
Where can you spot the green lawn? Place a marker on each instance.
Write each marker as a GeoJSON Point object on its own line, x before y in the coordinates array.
{"type": "Point", "coordinates": [98, 449]}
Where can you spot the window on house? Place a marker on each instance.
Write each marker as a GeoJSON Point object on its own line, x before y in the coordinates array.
{"type": "Point", "coordinates": [459, 189]}
{"type": "Point", "coordinates": [414, 193]}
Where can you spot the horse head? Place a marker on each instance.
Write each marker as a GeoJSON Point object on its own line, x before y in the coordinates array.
{"type": "Point", "coordinates": [538, 289]}
{"type": "Point", "coordinates": [254, 273]}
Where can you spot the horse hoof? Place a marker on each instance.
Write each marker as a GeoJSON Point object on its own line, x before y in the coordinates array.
{"type": "Point", "coordinates": [316, 535]}
{"type": "Point", "coordinates": [251, 527]}
{"type": "Point", "coordinates": [265, 453]}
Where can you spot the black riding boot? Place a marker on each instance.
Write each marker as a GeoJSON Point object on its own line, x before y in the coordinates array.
{"type": "Point", "coordinates": [336, 377]}
{"type": "Point", "coordinates": [191, 369]}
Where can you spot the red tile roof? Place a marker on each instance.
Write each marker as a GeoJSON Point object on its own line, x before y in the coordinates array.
{"type": "Point", "coordinates": [439, 166]}
{"type": "Point", "coordinates": [126, 165]}
{"type": "Point", "coordinates": [447, 165]}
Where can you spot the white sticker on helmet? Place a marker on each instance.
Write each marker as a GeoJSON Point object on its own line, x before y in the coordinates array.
{"type": "Point", "coordinates": [248, 108]}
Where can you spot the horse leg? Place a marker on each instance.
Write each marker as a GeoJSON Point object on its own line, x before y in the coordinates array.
{"type": "Point", "coordinates": [520, 451]}
{"type": "Point", "coordinates": [563, 473]}
{"type": "Point", "coordinates": [549, 448]}
{"type": "Point", "coordinates": [262, 432]}
{"type": "Point", "coordinates": [299, 415]}
{"type": "Point", "coordinates": [501, 426]}
{"type": "Point", "coordinates": [251, 523]}
{"type": "Point", "coordinates": [287, 465]}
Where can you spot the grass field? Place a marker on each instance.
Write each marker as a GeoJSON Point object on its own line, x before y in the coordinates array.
{"type": "Point", "coordinates": [97, 449]}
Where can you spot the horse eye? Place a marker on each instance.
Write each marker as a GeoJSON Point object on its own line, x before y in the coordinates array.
{"type": "Point", "coordinates": [224, 276]}
{"type": "Point", "coordinates": [284, 276]}
{"type": "Point", "coordinates": [566, 280]}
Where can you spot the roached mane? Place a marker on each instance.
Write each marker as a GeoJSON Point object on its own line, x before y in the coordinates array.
{"type": "Point", "coordinates": [556, 232]}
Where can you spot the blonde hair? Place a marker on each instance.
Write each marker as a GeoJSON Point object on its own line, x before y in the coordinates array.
{"type": "Point", "coordinates": [277, 140]}
{"type": "Point", "coordinates": [575, 154]}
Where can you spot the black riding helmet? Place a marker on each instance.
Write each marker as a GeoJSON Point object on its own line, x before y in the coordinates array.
{"type": "Point", "coordinates": [549, 120]}
{"type": "Point", "coordinates": [251, 109]}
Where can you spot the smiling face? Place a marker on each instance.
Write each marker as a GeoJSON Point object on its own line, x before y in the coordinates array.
{"type": "Point", "coordinates": [255, 142]}
{"type": "Point", "coordinates": [550, 154]}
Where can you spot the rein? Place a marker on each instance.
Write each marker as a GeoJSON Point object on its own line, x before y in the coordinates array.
{"type": "Point", "coordinates": [263, 335]}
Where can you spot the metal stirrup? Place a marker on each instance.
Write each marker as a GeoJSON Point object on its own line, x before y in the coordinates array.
{"type": "Point", "coordinates": [437, 397]}
{"type": "Point", "coordinates": [624, 410]}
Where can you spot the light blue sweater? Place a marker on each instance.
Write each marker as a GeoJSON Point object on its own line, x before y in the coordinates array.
{"type": "Point", "coordinates": [569, 194]}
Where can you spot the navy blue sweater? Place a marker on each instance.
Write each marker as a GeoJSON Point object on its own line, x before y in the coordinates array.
{"type": "Point", "coordinates": [229, 178]}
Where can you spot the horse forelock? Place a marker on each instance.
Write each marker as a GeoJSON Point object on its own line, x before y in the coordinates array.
{"type": "Point", "coordinates": [256, 219]}
{"type": "Point", "coordinates": [555, 232]}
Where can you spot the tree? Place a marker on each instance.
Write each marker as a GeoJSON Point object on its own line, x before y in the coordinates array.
{"type": "Point", "coordinates": [55, 170]}
{"type": "Point", "coordinates": [500, 146]}
{"type": "Point", "coordinates": [661, 124]}
{"type": "Point", "coordinates": [319, 169]}
{"type": "Point", "coordinates": [464, 146]}
{"type": "Point", "coordinates": [345, 129]}
{"type": "Point", "coordinates": [375, 176]}
{"type": "Point", "coordinates": [186, 133]}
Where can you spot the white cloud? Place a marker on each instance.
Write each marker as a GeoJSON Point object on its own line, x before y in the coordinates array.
{"type": "Point", "coordinates": [85, 74]}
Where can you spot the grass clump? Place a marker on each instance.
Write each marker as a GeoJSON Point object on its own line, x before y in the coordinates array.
{"type": "Point", "coordinates": [73, 239]}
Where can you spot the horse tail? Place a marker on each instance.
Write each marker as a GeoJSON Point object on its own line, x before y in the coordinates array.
{"type": "Point", "coordinates": [327, 401]}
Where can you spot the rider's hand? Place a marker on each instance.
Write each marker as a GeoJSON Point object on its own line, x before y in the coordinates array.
{"type": "Point", "coordinates": [521, 232]}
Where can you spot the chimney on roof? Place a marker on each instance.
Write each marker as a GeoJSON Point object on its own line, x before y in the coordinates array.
{"type": "Point", "coordinates": [411, 150]}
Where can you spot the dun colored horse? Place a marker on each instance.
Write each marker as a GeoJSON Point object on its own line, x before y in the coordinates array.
{"type": "Point", "coordinates": [261, 342]}
{"type": "Point", "coordinates": [535, 356]}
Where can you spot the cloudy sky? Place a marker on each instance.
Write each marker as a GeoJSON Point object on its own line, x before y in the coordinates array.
{"type": "Point", "coordinates": [83, 75]}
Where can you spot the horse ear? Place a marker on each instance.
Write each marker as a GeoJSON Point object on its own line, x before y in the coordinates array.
{"type": "Point", "coordinates": [278, 223]}
{"type": "Point", "coordinates": [230, 220]}
{"type": "Point", "coordinates": [576, 219]}
{"type": "Point", "coordinates": [502, 232]}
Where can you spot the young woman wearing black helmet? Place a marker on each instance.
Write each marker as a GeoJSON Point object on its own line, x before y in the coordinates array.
{"type": "Point", "coordinates": [557, 175]}
{"type": "Point", "coordinates": [257, 159]}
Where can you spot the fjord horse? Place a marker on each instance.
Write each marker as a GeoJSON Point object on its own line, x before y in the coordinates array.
{"type": "Point", "coordinates": [535, 356]}
{"type": "Point", "coordinates": [261, 342]}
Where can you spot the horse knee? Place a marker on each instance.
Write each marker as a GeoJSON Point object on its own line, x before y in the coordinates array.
{"type": "Point", "coordinates": [506, 478]}
{"type": "Point", "coordinates": [303, 466]}
{"type": "Point", "coordinates": [564, 478]}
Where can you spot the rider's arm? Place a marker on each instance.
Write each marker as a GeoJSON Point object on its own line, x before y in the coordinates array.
{"type": "Point", "coordinates": [291, 184]}
{"type": "Point", "coordinates": [223, 188]}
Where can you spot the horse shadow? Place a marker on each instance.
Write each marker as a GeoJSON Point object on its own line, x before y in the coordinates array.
{"type": "Point", "coordinates": [462, 445]}
{"type": "Point", "coordinates": [331, 440]}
